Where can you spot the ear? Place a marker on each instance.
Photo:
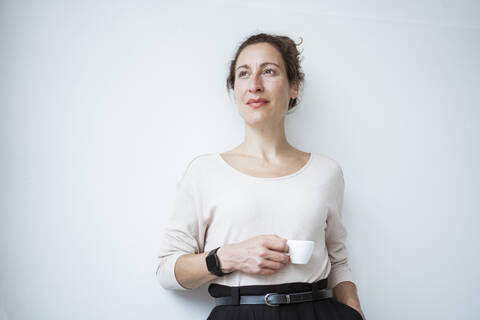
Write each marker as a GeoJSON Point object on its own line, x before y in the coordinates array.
{"type": "Point", "coordinates": [293, 90]}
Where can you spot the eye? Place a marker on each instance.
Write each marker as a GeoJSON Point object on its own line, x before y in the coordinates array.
{"type": "Point", "coordinates": [241, 73]}
{"type": "Point", "coordinates": [272, 71]}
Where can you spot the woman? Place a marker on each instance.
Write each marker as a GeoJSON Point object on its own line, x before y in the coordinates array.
{"type": "Point", "coordinates": [234, 211]}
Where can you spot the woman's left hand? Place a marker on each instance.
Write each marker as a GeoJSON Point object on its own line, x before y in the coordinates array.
{"type": "Point", "coordinates": [357, 308]}
{"type": "Point", "coordinates": [346, 292]}
{"type": "Point", "coordinates": [361, 313]}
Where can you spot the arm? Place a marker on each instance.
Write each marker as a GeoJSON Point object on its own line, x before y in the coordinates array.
{"type": "Point", "coordinates": [191, 269]}
{"type": "Point", "coordinates": [262, 255]}
{"type": "Point", "coordinates": [179, 257]}
{"type": "Point", "coordinates": [340, 278]}
{"type": "Point", "coordinates": [346, 292]}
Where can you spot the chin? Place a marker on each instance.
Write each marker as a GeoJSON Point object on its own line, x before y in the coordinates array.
{"type": "Point", "coordinates": [256, 119]}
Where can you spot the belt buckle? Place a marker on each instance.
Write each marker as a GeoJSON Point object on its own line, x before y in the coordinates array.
{"type": "Point", "coordinates": [275, 305]}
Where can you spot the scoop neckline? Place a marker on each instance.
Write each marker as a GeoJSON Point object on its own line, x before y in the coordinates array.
{"type": "Point", "coordinates": [305, 166]}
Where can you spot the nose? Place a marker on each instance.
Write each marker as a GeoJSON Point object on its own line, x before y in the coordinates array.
{"type": "Point", "coordinates": [255, 84]}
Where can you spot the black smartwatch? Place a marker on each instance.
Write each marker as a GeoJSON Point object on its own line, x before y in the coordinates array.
{"type": "Point", "coordinates": [213, 263]}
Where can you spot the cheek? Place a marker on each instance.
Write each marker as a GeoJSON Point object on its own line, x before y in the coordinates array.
{"type": "Point", "coordinates": [236, 94]}
{"type": "Point", "coordinates": [239, 91]}
{"type": "Point", "coordinates": [280, 89]}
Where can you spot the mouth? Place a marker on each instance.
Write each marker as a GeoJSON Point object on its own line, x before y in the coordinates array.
{"type": "Point", "coordinates": [256, 103]}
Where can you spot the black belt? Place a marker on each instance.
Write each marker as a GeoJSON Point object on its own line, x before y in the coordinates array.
{"type": "Point", "coordinates": [276, 299]}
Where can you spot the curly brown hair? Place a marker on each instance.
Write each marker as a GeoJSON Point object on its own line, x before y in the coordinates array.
{"type": "Point", "coordinates": [291, 58]}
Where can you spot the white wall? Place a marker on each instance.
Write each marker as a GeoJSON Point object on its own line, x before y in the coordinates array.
{"type": "Point", "coordinates": [103, 103]}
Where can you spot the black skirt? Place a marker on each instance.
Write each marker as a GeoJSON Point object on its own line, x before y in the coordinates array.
{"type": "Point", "coordinates": [325, 309]}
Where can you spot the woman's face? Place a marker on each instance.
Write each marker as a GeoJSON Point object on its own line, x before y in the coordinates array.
{"type": "Point", "coordinates": [260, 73]}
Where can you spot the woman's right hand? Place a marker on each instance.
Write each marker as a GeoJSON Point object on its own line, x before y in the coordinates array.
{"type": "Point", "coordinates": [263, 254]}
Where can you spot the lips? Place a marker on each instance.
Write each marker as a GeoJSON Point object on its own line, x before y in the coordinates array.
{"type": "Point", "coordinates": [257, 100]}
{"type": "Point", "coordinates": [255, 103]}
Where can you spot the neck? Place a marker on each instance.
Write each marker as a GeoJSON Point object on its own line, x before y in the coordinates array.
{"type": "Point", "coordinates": [265, 142]}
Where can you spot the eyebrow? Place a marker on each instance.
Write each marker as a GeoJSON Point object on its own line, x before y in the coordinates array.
{"type": "Point", "coordinates": [263, 64]}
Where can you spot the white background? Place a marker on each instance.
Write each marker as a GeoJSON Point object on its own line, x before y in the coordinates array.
{"type": "Point", "coordinates": [103, 103]}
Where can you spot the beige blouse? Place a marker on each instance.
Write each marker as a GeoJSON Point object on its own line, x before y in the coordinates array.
{"type": "Point", "coordinates": [216, 204]}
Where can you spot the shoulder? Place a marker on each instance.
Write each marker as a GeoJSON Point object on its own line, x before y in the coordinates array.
{"type": "Point", "coordinates": [328, 163]}
{"type": "Point", "coordinates": [329, 169]}
{"type": "Point", "coordinates": [200, 160]}
{"type": "Point", "coordinates": [197, 164]}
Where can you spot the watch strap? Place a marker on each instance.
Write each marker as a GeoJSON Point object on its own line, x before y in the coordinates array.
{"type": "Point", "coordinates": [213, 263]}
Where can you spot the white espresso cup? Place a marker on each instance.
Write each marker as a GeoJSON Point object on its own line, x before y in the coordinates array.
{"type": "Point", "coordinates": [300, 251]}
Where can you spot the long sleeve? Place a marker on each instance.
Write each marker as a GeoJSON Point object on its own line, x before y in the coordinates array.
{"type": "Point", "coordinates": [215, 204]}
{"type": "Point", "coordinates": [335, 237]}
{"type": "Point", "coordinates": [183, 234]}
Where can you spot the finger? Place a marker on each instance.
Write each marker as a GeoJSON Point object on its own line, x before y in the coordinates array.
{"type": "Point", "coordinates": [269, 264]}
{"type": "Point", "coordinates": [276, 243]}
{"type": "Point", "coordinates": [277, 256]}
